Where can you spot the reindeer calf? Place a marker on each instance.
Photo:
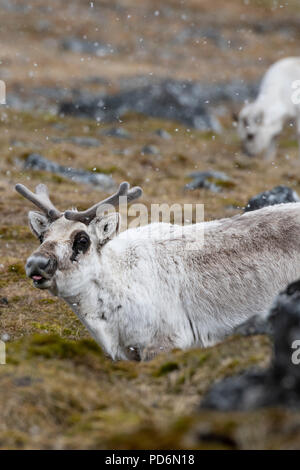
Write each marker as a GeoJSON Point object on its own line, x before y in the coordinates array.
{"type": "Point", "coordinates": [261, 122]}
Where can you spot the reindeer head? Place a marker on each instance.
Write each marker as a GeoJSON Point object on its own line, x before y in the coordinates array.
{"type": "Point", "coordinates": [70, 241]}
{"type": "Point", "coordinates": [258, 126]}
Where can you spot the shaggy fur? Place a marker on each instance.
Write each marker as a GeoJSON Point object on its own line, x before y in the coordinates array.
{"type": "Point", "coordinates": [158, 287]}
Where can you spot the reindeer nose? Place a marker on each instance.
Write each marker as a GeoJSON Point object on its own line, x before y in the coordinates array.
{"type": "Point", "coordinates": [39, 267]}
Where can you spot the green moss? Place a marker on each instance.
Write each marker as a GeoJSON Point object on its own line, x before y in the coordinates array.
{"type": "Point", "coordinates": [106, 171]}
{"type": "Point", "coordinates": [15, 232]}
{"type": "Point", "coordinates": [166, 368]}
{"type": "Point", "coordinates": [57, 179]}
{"type": "Point", "coordinates": [51, 118]}
{"type": "Point", "coordinates": [22, 156]}
{"type": "Point", "coordinates": [231, 366]}
{"type": "Point", "coordinates": [48, 327]}
{"type": "Point", "coordinates": [246, 165]}
{"type": "Point", "coordinates": [13, 439]}
{"type": "Point", "coordinates": [289, 144]}
{"type": "Point", "coordinates": [16, 298]}
{"type": "Point", "coordinates": [47, 301]}
{"type": "Point", "coordinates": [126, 369]}
{"type": "Point", "coordinates": [67, 332]}
{"type": "Point", "coordinates": [54, 346]}
{"type": "Point", "coordinates": [181, 158]}
{"type": "Point", "coordinates": [207, 135]}
{"type": "Point", "coordinates": [17, 268]}
{"type": "Point", "coordinates": [229, 201]}
{"type": "Point", "coordinates": [225, 184]}
{"type": "Point", "coordinates": [203, 358]}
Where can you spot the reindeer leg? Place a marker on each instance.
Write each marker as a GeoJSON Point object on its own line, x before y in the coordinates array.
{"type": "Point", "coordinates": [270, 153]}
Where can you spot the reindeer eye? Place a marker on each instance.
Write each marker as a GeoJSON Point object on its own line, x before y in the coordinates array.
{"type": "Point", "coordinates": [81, 244]}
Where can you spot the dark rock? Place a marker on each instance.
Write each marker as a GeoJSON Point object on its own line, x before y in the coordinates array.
{"type": "Point", "coordinates": [24, 381]}
{"type": "Point", "coordinates": [83, 46]}
{"type": "Point", "coordinates": [117, 132]}
{"type": "Point", "coordinates": [36, 162]}
{"type": "Point", "coordinates": [285, 320]}
{"type": "Point", "coordinates": [212, 438]}
{"type": "Point", "coordinates": [150, 150]}
{"type": "Point", "coordinates": [236, 91]}
{"type": "Point", "coordinates": [190, 103]}
{"type": "Point", "coordinates": [287, 27]}
{"type": "Point", "coordinates": [193, 32]}
{"type": "Point", "coordinates": [42, 97]}
{"type": "Point", "coordinates": [169, 99]}
{"type": "Point", "coordinates": [241, 392]}
{"type": "Point", "coordinates": [255, 325]}
{"type": "Point", "coordinates": [96, 80]}
{"type": "Point", "coordinates": [3, 302]}
{"type": "Point", "coordinates": [206, 179]}
{"type": "Point", "coordinates": [277, 195]}
{"type": "Point", "coordinates": [279, 385]}
{"type": "Point", "coordinates": [81, 141]}
{"type": "Point", "coordinates": [163, 134]}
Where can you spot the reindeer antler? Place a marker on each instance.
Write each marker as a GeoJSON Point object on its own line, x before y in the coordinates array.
{"type": "Point", "coordinates": [87, 216]}
{"type": "Point", "coordinates": [41, 199]}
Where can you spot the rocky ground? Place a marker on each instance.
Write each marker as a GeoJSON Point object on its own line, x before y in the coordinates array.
{"type": "Point", "coordinates": [57, 389]}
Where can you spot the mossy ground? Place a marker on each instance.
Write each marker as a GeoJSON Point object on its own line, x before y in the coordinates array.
{"type": "Point", "coordinates": [61, 393]}
{"type": "Point", "coordinates": [57, 389]}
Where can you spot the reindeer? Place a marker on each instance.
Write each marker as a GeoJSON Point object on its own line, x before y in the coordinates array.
{"type": "Point", "coordinates": [261, 122]}
{"type": "Point", "coordinates": [140, 292]}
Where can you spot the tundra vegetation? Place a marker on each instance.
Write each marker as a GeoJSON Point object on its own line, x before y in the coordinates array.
{"type": "Point", "coordinates": [58, 390]}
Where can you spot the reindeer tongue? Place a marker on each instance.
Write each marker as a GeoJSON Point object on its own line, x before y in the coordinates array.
{"type": "Point", "coordinates": [37, 278]}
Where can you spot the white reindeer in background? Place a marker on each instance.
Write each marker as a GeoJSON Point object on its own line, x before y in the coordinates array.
{"type": "Point", "coordinates": [141, 292]}
{"type": "Point", "coordinates": [261, 122]}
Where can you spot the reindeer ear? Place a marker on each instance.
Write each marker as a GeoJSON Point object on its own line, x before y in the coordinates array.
{"type": "Point", "coordinates": [106, 227]}
{"type": "Point", "coordinates": [38, 223]}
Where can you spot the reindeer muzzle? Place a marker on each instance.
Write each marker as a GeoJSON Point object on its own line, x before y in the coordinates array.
{"type": "Point", "coordinates": [247, 151]}
{"type": "Point", "coordinates": [41, 269]}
